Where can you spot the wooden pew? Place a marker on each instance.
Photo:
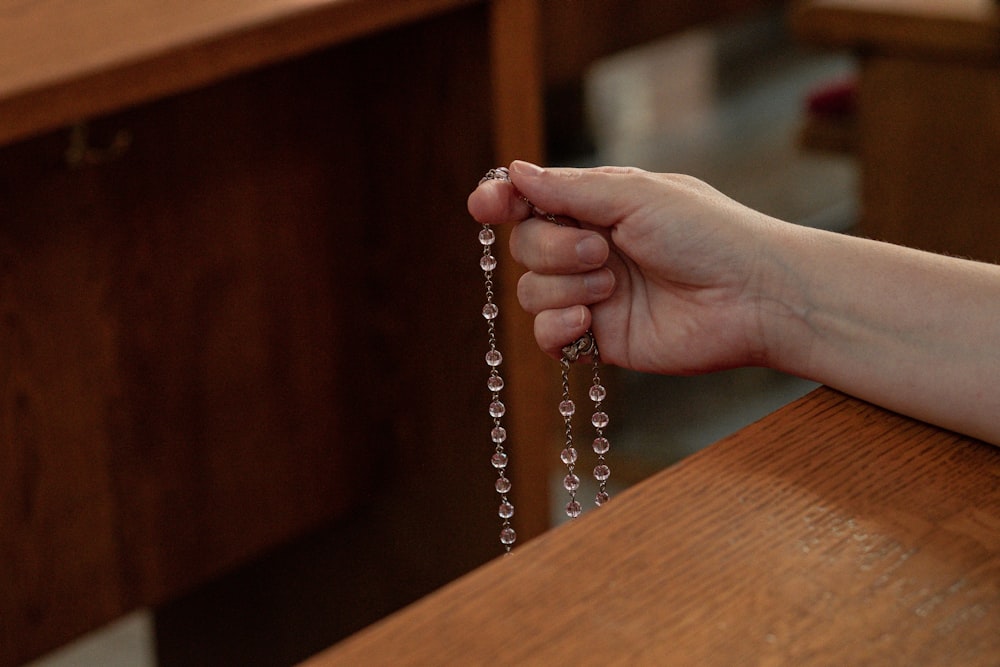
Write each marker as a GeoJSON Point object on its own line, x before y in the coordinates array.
{"type": "Point", "coordinates": [574, 35]}
{"type": "Point", "coordinates": [239, 295]}
{"type": "Point", "coordinates": [831, 532]}
{"type": "Point", "coordinates": [926, 132]}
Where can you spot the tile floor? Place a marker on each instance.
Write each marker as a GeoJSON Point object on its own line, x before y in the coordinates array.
{"type": "Point", "coordinates": [722, 105]}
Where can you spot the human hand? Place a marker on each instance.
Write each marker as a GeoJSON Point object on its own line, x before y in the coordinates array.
{"type": "Point", "coordinates": [662, 268]}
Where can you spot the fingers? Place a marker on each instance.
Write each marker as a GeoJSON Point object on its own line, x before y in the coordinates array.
{"type": "Point", "coordinates": [556, 328]}
{"type": "Point", "coordinates": [547, 248]}
{"type": "Point", "coordinates": [538, 293]}
{"type": "Point", "coordinates": [601, 196]}
{"type": "Point", "coordinates": [496, 202]}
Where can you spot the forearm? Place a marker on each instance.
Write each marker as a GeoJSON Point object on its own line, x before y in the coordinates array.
{"type": "Point", "coordinates": [911, 331]}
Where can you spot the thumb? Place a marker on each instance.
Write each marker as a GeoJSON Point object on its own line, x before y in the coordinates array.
{"type": "Point", "coordinates": [602, 196]}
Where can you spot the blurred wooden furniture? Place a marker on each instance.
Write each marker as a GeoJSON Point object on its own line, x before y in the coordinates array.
{"type": "Point", "coordinates": [928, 102]}
{"type": "Point", "coordinates": [576, 34]}
{"type": "Point", "coordinates": [239, 298]}
{"type": "Point", "coordinates": [831, 532]}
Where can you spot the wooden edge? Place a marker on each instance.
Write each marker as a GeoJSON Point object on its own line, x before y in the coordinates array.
{"type": "Point", "coordinates": [885, 28]}
{"type": "Point", "coordinates": [188, 66]}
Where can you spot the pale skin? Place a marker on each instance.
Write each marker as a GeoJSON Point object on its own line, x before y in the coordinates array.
{"type": "Point", "coordinates": [673, 277]}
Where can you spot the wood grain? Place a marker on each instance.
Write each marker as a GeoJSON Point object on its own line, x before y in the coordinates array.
{"type": "Point", "coordinates": [62, 61]}
{"type": "Point", "coordinates": [954, 29]}
{"type": "Point", "coordinates": [831, 532]}
{"type": "Point", "coordinates": [249, 329]}
{"type": "Point", "coordinates": [925, 133]}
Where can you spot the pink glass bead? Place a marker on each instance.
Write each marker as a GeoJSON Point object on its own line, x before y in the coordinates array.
{"type": "Point", "coordinates": [506, 510]}
{"type": "Point", "coordinates": [494, 358]}
{"type": "Point", "coordinates": [601, 445]}
{"type": "Point", "coordinates": [571, 482]}
{"type": "Point", "coordinates": [599, 420]}
{"type": "Point", "coordinates": [497, 409]}
{"type": "Point", "coordinates": [568, 456]}
{"type": "Point", "coordinates": [490, 311]}
{"type": "Point", "coordinates": [567, 408]}
{"type": "Point", "coordinates": [498, 434]}
{"type": "Point", "coordinates": [487, 262]}
{"type": "Point", "coordinates": [602, 472]}
{"type": "Point", "coordinates": [502, 485]}
{"type": "Point", "coordinates": [573, 509]}
{"type": "Point", "coordinates": [487, 237]}
{"type": "Point", "coordinates": [601, 498]}
{"type": "Point", "coordinates": [508, 536]}
{"type": "Point", "coordinates": [499, 460]}
{"type": "Point", "coordinates": [598, 393]}
{"type": "Point", "coordinates": [494, 383]}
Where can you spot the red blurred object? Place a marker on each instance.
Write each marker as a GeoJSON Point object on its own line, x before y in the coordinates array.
{"type": "Point", "coordinates": [834, 99]}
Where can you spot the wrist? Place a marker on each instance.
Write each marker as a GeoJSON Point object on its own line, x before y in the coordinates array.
{"type": "Point", "coordinates": [782, 304]}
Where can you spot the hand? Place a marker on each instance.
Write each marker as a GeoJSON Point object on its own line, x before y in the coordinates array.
{"type": "Point", "coordinates": [663, 268]}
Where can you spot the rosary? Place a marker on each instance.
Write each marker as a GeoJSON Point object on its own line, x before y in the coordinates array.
{"type": "Point", "coordinates": [583, 347]}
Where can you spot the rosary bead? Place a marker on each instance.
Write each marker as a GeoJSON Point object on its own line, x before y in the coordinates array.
{"type": "Point", "coordinates": [567, 408]}
{"type": "Point", "coordinates": [598, 393]}
{"type": "Point", "coordinates": [599, 420]}
{"type": "Point", "coordinates": [573, 509]}
{"type": "Point", "coordinates": [601, 445]}
{"type": "Point", "coordinates": [487, 262]}
{"type": "Point", "coordinates": [490, 311]}
{"type": "Point", "coordinates": [487, 237]}
{"type": "Point", "coordinates": [602, 472]}
{"type": "Point", "coordinates": [571, 482]}
{"type": "Point", "coordinates": [494, 358]}
{"type": "Point", "coordinates": [498, 434]}
{"type": "Point", "coordinates": [502, 485]}
{"type": "Point", "coordinates": [568, 456]}
{"type": "Point", "coordinates": [507, 536]}
{"type": "Point", "coordinates": [506, 510]}
{"type": "Point", "coordinates": [494, 383]}
{"type": "Point", "coordinates": [499, 460]}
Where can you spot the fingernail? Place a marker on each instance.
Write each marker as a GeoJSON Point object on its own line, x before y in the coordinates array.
{"type": "Point", "coordinates": [599, 282]}
{"type": "Point", "coordinates": [592, 250]}
{"type": "Point", "coordinates": [526, 168]}
{"type": "Point", "coordinates": [573, 318]}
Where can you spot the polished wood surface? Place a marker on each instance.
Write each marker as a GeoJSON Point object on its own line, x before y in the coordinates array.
{"type": "Point", "coordinates": [61, 61]}
{"type": "Point", "coordinates": [242, 352]}
{"type": "Point", "coordinates": [943, 28]}
{"type": "Point", "coordinates": [831, 532]}
{"type": "Point", "coordinates": [926, 133]}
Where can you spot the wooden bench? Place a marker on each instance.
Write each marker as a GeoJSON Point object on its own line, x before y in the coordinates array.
{"type": "Point", "coordinates": [240, 294]}
{"type": "Point", "coordinates": [831, 532]}
{"type": "Point", "coordinates": [926, 133]}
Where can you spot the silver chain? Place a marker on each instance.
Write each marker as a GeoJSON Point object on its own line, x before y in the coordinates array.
{"type": "Point", "coordinates": [585, 346]}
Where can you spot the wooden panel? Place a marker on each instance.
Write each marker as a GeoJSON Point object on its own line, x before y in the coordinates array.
{"type": "Point", "coordinates": [257, 317]}
{"type": "Point", "coordinates": [174, 392]}
{"type": "Point", "coordinates": [831, 532]}
{"type": "Point", "coordinates": [61, 61]}
{"type": "Point", "coordinates": [955, 29]}
{"type": "Point", "coordinates": [929, 148]}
